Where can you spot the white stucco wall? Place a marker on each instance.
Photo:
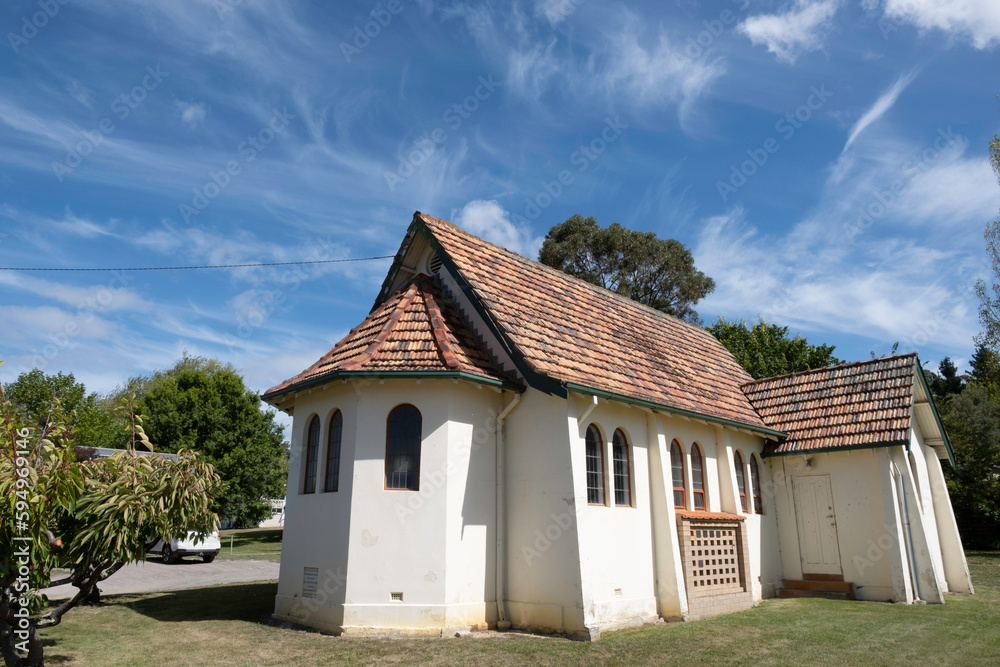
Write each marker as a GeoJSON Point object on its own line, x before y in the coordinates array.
{"type": "Point", "coordinates": [615, 542]}
{"type": "Point", "coordinates": [865, 544]}
{"type": "Point", "coordinates": [543, 558]}
{"type": "Point", "coordinates": [368, 544]}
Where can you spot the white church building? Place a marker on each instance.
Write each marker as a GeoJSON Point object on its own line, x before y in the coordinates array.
{"type": "Point", "coordinates": [499, 444]}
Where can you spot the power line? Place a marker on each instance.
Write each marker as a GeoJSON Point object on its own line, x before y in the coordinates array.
{"type": "Point", "coordinates": [207, 266]}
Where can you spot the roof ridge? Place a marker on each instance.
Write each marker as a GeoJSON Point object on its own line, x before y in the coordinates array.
{"type": "Point", "coordinates": [436, 317]}
{"type": "Point", "coordinates": [390, 323]}
{"type": "Point", "coordinates": [822, 369]}
{"type": "Point", "coordinates": [562, 274]}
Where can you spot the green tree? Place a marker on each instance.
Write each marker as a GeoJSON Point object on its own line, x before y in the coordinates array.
{"type": "Point", "coordinates": [204, 405]}
{"type": "Point", "coordinates": [766, 350]}
{"type": "Point", "coordinates": [88, 518]}
{"type": "Point", "coordinates": [659, 273]}
{"type": "Point", "coordinates": [985, 365]}
{"type": "Point", "coordinates": [946, 381]}
{"type": "Point", "coordinates": [91, 421]}
{"type": "Point", "coordinates": [972, 421]}
{"type": "Point", "coordinates": [989, 293]}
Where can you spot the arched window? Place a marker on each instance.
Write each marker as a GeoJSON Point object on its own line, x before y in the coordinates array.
{"type": "Point", "coordinates": [623, 479]}
{"type": "Point", "coordinates": [312, 455]}
{"type": "Point", "coordinates": [741, 481]}
{"type": "Point", "coordinates": [595, 466]}
{"type": "Point", "coordinates": [697, 477]}
{"type": "Point", "coordinates": [677, 466]}
{"type": "Point", "coordinates": [402, 448]}
{"type": "Point", "coordinates": [758, 505]}
{"type": "Point", "coordinates": [333, 452]}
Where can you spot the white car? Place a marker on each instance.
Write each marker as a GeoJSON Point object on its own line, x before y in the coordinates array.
{"type": "Point", "coordinates": [190, 545]}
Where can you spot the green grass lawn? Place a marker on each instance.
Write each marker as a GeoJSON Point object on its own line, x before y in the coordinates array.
{"type": "Point", "coordinates": [230, 625]}
{"type": "Point", "coordinates": [251, 544]}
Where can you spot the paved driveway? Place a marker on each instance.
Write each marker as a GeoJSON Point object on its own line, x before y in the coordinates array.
{"type": "Point", "coordinates": [153, 576]}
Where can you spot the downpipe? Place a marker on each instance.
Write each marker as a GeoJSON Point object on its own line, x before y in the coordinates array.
{"type": "Point", "coordinates": [501, 527]}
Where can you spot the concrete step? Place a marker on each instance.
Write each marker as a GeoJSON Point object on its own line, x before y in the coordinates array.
{"type": "Point", "coordinates": [833, 590]}
{"type": "Point", "coordinates": [831, 586]}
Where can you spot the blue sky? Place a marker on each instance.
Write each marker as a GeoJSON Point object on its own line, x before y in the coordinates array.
{"type": "Point", "coordinates": [825, 161]}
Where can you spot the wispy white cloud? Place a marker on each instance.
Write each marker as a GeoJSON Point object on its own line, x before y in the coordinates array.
{"type": "Point", "coordinates": [881, 105]}
{"type": "Point", "coordinates": [799, 28]}
{"type": "Point", "coordinates": [191, 113]}
{"type": "Point", "coordinates": [867, 261]}
{"type": "Point", "coordinates": [97, 298]}
{"type": "Point", "coordinates": [976, 20]}
{"type": "Point", "coordinates": [489, 220]}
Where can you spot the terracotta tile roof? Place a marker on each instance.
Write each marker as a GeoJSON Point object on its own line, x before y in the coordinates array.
{"type": "Point", "coordinates": [840, 407]}
{"type": "Point", "coordinates": [574, 332]}
{"type": "Point", "coordinates": [416, 329]}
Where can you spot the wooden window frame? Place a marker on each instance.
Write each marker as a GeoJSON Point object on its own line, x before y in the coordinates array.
{"type": "Point", "coordinates": [741, 481]}
{"type": "Point", "coordinates": [675, 443]}
{"type": "Point", "coordinates": [696, 493]}
{"type": "Point", "coordinates": [601, 445]}
{"type": "Point", "coordinates": [758, 500]}
{"type": "Point", "coordinates": [419, 449]}
{"type": "Point", "coordinates": [312, 455]}
{"type": "Point", "coordinates": [339, 433]}
{"type": "Point", "coordinates": [626, 447]}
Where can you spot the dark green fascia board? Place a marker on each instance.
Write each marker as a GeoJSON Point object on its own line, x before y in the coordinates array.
{"type": "Point", "coordinates": [394, 375]}
{"type": "Point", "coordinates": [937, 417]}
{"type": "Point", "coordinates": [583, 389]}
{"type": "Point", "coordinates": [830, 450]}
{"type": "Point", "coordinates": [534, 379]}
{"type": "Point", "coordinates": [397, 261]}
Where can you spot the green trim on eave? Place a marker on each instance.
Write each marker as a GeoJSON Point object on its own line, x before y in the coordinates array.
{"type": "Point", "coordinates": [397, 261]}
{"type": "Point", "coordinates": [836, 448]}
{"type": "Point", "coordinates": [937, 417]}
{"type": "Point", "coordinates": [662, 407]}
{"type": "Point", "coordinates": [534, 379]}
{"type": "Point", "coordinates": [393, 375]}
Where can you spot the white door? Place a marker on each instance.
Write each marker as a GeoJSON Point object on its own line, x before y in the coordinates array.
{"type": "Point", "coordinates": [818, 545]}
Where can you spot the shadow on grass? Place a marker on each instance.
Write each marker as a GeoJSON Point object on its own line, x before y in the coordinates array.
{"type": "Point", "coordinates": [237, 602]}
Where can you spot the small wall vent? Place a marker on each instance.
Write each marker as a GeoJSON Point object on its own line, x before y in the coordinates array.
{"type": "Point", "coordinates": [435, 264]}
{"type": "Point", "coordinates": [396, 597]}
